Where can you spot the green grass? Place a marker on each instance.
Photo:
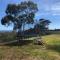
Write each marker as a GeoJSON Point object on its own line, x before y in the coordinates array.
{"type": "Point", "coordinates": [53, 42]}
{"type": "Point", "coordinates": [50, 51]}
{"type": "Point", "coordinates": [7, 36]}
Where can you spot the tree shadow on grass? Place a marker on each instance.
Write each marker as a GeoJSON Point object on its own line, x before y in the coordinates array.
{"type": "Point", "coordinates": [54, 47]}
{"type": "Point", "coordinates": [19, 43]}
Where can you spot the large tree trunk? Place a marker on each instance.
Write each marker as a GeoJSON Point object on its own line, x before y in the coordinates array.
{"type": "Point", "coordinates": [23, 30]}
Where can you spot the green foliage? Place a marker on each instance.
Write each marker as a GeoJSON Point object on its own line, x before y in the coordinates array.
{"type": "Point", "coordinates": [42, 26]}
{"type": "Point", "coordinates": [20, 14]}
{"type": "Point", "coordinates": [5, 37]}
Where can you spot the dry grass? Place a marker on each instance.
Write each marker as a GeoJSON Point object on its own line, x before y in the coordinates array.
{"type": "Point", "coordinates": [33, 52]}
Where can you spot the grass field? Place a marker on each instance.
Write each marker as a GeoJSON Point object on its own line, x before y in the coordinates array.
{"type": "Point", "coordinates": [50, 51]}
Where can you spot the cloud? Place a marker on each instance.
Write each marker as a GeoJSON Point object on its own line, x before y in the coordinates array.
{"type": "Point", "coordinates": [53, 9]}
{"type": "Point", "coordinates": [54, 1]}
{"type": "Point", "coordinates": [56, 6]}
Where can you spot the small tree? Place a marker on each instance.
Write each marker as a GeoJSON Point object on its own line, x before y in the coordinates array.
{"type": "Point", "coordinates": [42, 26]}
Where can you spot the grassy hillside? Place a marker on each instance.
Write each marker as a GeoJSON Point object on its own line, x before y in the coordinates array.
{"type": "Point", "coordinates": [50, 51]}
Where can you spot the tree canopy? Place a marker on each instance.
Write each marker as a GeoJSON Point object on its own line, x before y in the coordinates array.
{"type": "Point", "coordinates": [42, 25]}
{"type": "Point", "coordinates": [20, 14]}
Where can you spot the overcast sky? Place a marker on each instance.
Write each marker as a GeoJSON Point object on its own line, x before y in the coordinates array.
{"type": "Point", "coordinates": [48, 9]}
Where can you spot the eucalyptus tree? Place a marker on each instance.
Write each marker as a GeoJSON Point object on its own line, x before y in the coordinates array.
{"type": "Point", "coordinates": [20, 14]}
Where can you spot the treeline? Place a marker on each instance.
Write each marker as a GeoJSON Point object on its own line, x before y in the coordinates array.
{"type": "Point", "coordinates": [55, 31]}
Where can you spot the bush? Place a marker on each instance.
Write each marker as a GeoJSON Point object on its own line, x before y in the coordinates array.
{"type": "Point", "coordinates": [9, 36]}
